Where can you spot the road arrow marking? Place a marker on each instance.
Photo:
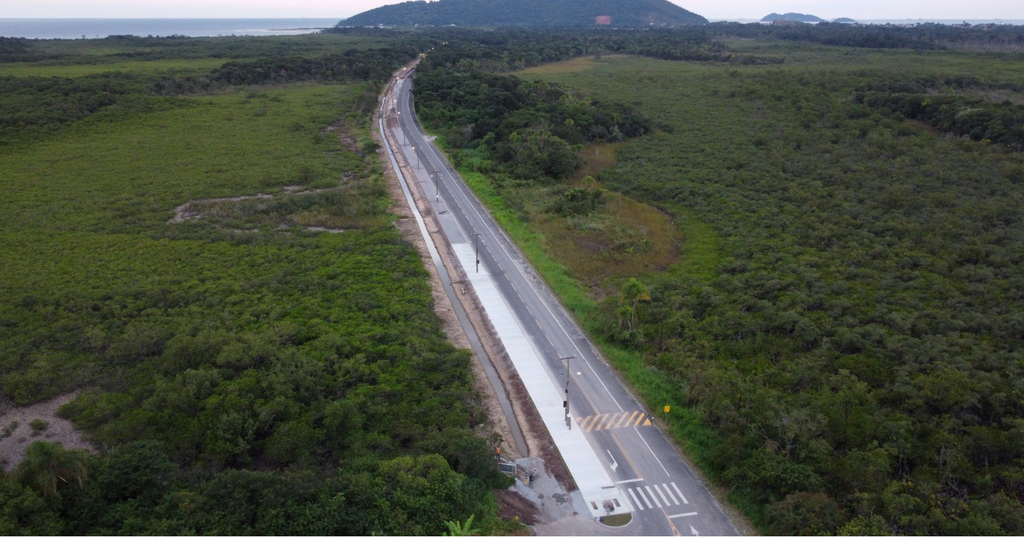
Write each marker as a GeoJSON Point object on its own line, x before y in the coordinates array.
{"type": "Point", "coordinates": [614, 464]}
{"type": "Point", "coordinates": [693, 531]}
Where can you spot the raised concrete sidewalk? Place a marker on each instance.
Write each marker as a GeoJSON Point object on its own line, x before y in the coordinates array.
{"type": "Point", "coordinates": [595, 485]}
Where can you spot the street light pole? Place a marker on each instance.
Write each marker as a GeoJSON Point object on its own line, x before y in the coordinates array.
{"type": "Point", "coordinates": [437, 189]}
{"type": "Point", "coordinates": [568, 421]}
{"type": "Point", "coordinates": [476, 246]}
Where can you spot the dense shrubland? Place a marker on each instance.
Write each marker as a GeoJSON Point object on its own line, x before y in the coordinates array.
{"type": "Point", "coordinates": [988, 37]}
{"type": "Point", "coordinates": [239, 373]}
{"type": "Point", "coordinates": [41, 105]}
{"type": "Point", "coordinates": [531, 130]}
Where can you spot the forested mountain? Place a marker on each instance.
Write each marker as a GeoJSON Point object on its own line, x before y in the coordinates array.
{"type": "Point", "coordinates": [535, 13]}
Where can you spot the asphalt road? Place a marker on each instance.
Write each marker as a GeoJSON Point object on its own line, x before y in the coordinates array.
{"type": "Point", "coordinates": [668, 499]}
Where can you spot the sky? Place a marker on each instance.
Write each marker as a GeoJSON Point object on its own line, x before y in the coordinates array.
{"type": "Point", "coordinates": [340, 9]}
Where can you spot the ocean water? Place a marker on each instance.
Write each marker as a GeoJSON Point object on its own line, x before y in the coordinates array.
{"type": "Point", "coordinates": [99, 28]}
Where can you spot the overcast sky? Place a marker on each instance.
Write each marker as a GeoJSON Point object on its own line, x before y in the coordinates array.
{"type": "Point", "coordinates": [712, 9]}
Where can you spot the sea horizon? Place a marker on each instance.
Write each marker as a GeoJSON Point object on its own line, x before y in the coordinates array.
{"type": "Point", "coordinates": [101, 27]}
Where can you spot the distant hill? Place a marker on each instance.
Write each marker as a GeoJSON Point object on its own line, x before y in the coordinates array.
{"type": "Point", "coordinates": [535, 13]}
{"type": "Point", "coordinates": [793, 17]}
{"type": "Point", "coordinates": [845, 20]}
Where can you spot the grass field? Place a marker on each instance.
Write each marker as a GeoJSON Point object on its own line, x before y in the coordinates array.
{"type": "Point", "coordinates": [88, 209]}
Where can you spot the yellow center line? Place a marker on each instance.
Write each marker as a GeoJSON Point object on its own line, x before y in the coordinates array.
{"type": "Point", "coordinates": [675, 530]}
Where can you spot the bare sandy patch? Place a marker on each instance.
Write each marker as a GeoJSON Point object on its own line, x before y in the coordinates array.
{"type": "Point", "coordinates": [17, 431]}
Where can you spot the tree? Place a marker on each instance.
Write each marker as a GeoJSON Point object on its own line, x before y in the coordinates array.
{"type": "Point", "coordinates": [23, 512]}
{"type": "Point", "coordinates": [632, 293]}
{"type": "Point", "coordinates": [456, 528]}
{"type": "Point", "coordinates": [47, 467]}
{"type": "Point", "coordinates": [137, 469]}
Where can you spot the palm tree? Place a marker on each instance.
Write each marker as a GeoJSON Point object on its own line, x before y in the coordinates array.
{"type": "Point", "coordinates": [47, 466]}
{"type": "Point", "coordinates": [631, 294]}
{"type": "Point", "coordinates": [456, 528]}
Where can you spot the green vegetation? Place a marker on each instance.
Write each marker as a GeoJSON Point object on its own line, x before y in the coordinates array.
{"type": "Point", "coordinates": [843, 326]}
{"type": "Point", "coordinates": [244, 372]}
{"type": "Point", "coordinates": [529, 13]}
{"type": "Point", "coordinates": [533, 131]}
{"type": "Point", "coordinates": [986, 37]}
{"type": "Point", "coordinates": [38, 426]}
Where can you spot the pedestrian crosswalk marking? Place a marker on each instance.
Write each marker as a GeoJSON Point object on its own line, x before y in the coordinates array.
{"type": "Point", "coordinates": [674, 500]}
{"type": "Point", "coordinates": [662, 494]}
{"type": "Point", "coordinates": [680, 493]}
{"type": "Point", "coordinates": [635, 500]}
{"type": "Point", "coordinates": [618, 420]}
{"type": "Point", "coordinates": [648, 502]}
{"type": "Point", "coordinates": [650, 497]}
{"type": "Point", "coordinates": [653, 497]}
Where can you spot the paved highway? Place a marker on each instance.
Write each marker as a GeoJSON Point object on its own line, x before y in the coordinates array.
{"type": "Point", "coordinates": [667, 498]}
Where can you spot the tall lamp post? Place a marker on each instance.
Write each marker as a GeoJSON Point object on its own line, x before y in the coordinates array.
{"type": "Point", "coordinates": [476, 247]}
{"type": "Point", "coordinates": [568, 420]}
{"type": "Point", "coordinates": [437, 189]}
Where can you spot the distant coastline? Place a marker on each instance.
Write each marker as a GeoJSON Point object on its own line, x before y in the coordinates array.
{"type": "Point", "coordinates": [1015, 22]}
{"type": "Point", "coordinates": [100, 28]}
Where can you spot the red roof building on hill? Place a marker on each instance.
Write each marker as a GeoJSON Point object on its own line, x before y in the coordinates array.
{"type": "Point", "coordinates": [603, 19]}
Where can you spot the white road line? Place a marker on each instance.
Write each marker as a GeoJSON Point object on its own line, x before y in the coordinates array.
{"type": "Point", "coordinates": [649, 506]}
{"type": "Point", "coordinates": [653, 497]}
{"type": "Point", "coordinates": [655, 455]}
{"type": "Point", "coordinates": [670, 495]}
{"type": "Point", "coordinates": [683, 515]}
{"type": "Point", "coordinates": [680, 493]}
{"type": "Point", "coordinates": [635, 500]}
{"type": "Point", "coordinates": [629, 481]}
